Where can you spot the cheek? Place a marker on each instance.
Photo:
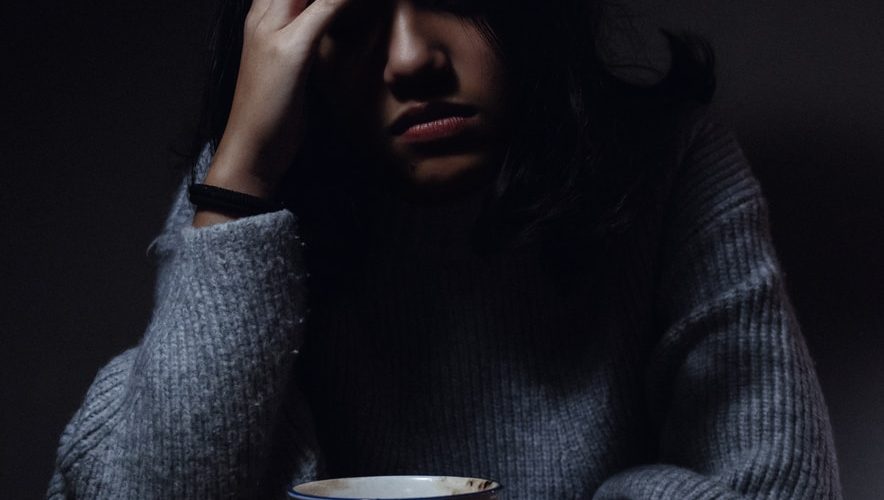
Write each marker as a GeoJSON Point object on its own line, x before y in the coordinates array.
{"type": "Point", "coordinates": [493, 74]}
{"type": "Point", "coordinates": [481, 70]}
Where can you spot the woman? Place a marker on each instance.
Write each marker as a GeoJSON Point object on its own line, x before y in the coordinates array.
{"type": "Point", "coordinates": [521, 268]}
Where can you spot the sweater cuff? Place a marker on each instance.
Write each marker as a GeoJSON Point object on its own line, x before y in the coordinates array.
{"type": "Point", "coordinates": [251, 265]}
{"type": "Point", "coordinates": [243, 242]}
{"type": "Point", "coordinates": [244, 278]}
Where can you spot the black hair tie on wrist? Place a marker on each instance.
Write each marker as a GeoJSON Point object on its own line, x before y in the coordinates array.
{"type": "Point", "coordinates": [227, 201]}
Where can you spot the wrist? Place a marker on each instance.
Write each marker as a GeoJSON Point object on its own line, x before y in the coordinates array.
{"type": "Point", "coordinates": [242, 168]}
{"type": "Point", "coordinates": [240, 181]}
{"type": "Point", "coordinates": [215, 205]}
{"type": "Point", "coordinates": [203, 218]}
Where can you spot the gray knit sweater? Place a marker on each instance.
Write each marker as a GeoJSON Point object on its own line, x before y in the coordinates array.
{"type": "Point", "coordinates": [681, 375]}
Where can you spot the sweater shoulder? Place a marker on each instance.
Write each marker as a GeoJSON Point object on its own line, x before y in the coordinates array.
{"type": "Point", "coordinates": [712, 176]}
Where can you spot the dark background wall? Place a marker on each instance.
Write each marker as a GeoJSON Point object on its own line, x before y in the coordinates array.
{"type": "Point", "coordinates": [94, 95]}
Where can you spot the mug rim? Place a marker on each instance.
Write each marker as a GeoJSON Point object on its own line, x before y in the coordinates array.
{"type": "Point", "coordinates": [465, 496]}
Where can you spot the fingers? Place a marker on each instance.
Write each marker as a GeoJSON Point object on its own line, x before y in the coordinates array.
{"type": "Point", "coordinates": [257, 11]}
{"type": "Point", "coordinates": [281, 12]}
{"type": "Point", "coordinates": [260, 6]}
{"type": "Point", "coordinates": [315, 19]}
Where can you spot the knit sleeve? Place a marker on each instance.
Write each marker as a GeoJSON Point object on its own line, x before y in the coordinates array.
{"type": "Point", "coordinates": [731, 385]}
{"type": "Point", "coordinates": [196, 409]}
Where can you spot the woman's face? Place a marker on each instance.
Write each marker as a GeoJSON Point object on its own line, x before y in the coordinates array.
{"type": "Point", "coordinates": [418, 88]}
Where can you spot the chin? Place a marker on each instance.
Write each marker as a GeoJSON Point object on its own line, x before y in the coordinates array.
{"type": "Point", "coordinates": [445, 178]}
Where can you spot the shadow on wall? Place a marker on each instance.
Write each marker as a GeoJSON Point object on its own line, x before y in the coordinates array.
{"type": "Point", "coordinates": [824, 181]}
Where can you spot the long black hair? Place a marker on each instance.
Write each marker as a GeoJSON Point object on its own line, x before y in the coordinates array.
{"type": "Point", "coordinates": [587, 151]}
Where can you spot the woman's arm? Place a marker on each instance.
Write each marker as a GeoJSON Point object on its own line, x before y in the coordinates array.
{"type": "Point", "coordinates": [731, 385]}
{"type": "Point", "coordinates": [196, 409]}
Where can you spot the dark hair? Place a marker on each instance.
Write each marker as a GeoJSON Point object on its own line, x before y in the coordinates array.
{"type": "Point", "coordinates": [589, 150]}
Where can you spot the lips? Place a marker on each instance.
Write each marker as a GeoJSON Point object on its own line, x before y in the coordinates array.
{"type": "Point", "coordinates": [428, 113]}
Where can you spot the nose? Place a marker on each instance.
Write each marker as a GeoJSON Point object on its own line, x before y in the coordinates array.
{"type": "Point", "coordinates": [415, 58]}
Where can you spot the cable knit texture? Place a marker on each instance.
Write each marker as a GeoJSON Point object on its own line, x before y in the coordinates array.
{"type": "Point", "coordinates": [677, 373]}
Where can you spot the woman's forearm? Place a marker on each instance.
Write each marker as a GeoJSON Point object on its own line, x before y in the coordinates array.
{"type": "Point", "coordinates": [192, 411]}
